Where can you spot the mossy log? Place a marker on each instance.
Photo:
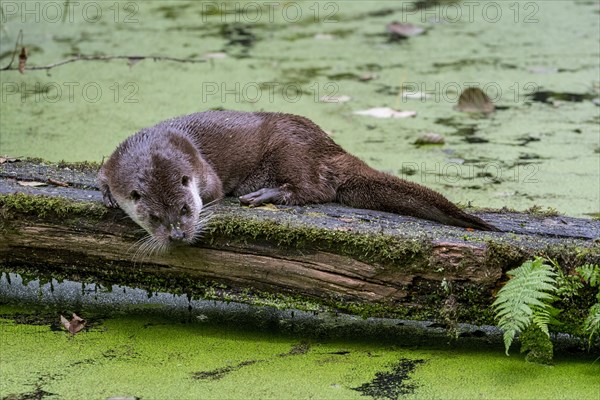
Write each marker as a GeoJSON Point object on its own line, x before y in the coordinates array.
{"type": "Point", "coordinates": [319, 256]}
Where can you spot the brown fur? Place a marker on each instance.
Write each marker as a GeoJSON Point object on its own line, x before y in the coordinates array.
{"type": "Point", "coordinates": [260, 157]}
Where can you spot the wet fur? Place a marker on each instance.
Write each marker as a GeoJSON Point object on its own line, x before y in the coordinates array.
{"type": "Point", "coordinates": [260, 157]}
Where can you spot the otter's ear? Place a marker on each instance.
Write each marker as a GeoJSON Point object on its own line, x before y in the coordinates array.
{"type": "Point", "coordinates": [185, 180]}
{"type": "Point", "coordinates": [134, 195]}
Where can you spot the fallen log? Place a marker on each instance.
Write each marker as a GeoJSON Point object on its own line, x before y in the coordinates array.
{"type": "Point", "coordinates": [358, 261]}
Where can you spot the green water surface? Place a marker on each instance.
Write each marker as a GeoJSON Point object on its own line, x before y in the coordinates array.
{"type": "Point", "coordinates": [167, 358]}
{"type": "Point", "coordinates": [535, 150]}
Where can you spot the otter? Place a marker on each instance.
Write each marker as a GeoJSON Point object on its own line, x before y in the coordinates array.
{"type": "Point", "coordinates": [164, 176]}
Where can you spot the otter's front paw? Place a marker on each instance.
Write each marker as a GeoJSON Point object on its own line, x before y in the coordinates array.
{"type": "Point", "coordinates": [108, 200]}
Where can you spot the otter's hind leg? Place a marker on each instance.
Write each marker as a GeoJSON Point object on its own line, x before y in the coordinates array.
{"type": "Point", "coordinates": [295, 182]}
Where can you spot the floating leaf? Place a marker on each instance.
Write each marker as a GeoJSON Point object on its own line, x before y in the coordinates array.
{"type": "Point", "coordinates": [386, 112]}
{"type": "Point", "coordinates": [217, 55]}
{"type": "Point", "coordinates": [474, 100]}
{"type": "Point", "coordinates": [367, 76]}
{"type": "Point", "coordinates": [335, 99]}
{"type": "Point", "coordinates": [131, 61]}
{"type": "Point", "coordinates": [398, 30]}
{"type": "Point", "coordinates": [414, 95]}
{"type": "Point", "coordinates": [75, 325]}
{"type": "Point", "coordinates": [323, 36]}
{"type": "Point", "coordinates": [430, 138]}
{"type": "Point", "coordinates": [543, 70]}
{"type": "Point", "coordinates": [122, 398]}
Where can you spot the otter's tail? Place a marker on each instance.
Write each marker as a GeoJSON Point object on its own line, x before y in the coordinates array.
{"type": "Point", "coordinates": [364, 187]}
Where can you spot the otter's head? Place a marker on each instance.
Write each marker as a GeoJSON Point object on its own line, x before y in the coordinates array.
{"type": "Point", "coordinates": [159, 188]}
{"type": "Point", "coordinates": [159, 178]}
{"type": "Point", "coordinates": [165, 201]}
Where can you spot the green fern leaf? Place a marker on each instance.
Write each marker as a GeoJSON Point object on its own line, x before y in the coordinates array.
{"type": "Point", "coordinates": [592, 322]}
{"type": "Point", "coordinates": [590, 273]}
{"type": "Point", "coordinates": [509, 335]}
{"type": "Point", "coordinates": [525, 299]}
{"type": "Point", "coordinates": [542, 317]}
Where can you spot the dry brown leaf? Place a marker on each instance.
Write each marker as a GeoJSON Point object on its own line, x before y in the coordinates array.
{"type": "Point", "coordinates": [22, 59]}
{"type": "Point", "coordinates": [57, 183]}
{"type": "Point", "coordinates": [8, 160]}
{"type": "Point", "coordinates": [75, 325]}
{"type": "Point", "coordinates": [131, 61]}
{"type": "Point", "coordinates": [474, 100]}
{"type": "Point", "coordinates": [32, 183]}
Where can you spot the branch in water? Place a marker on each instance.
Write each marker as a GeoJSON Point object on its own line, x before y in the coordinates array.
{"type": "Point", "coordinates": [131, 59]}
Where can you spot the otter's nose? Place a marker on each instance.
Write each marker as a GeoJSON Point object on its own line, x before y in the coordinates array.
{"type": "Point", "coordinates": [176, 234]}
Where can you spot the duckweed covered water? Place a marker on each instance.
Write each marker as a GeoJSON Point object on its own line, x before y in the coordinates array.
{"type": "Point", "coordinates": [153, 357]}
{"type": "Point", "coordinates": [537, 60]}
{"type": "Point", "coordinates": [165, 346]}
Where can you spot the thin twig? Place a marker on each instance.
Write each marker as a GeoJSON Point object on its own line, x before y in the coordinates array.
{"type": "Point", "coordinates": [104, 58]}
{"type": "Point", "coordinates": [80, 57]}
{"type": "Point", "coordinates": [18, 42]}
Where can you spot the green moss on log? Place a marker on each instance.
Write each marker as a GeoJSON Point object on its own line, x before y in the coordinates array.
{"type": "Point", "coordinates": [370, 248]}
{"type": "Point", "coordinates": [41, 207]}
{"type": "Point", "coordinates": [82, 166]}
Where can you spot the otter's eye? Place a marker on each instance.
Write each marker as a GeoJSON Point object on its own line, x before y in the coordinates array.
{"type": "Point", "coordinates": [185, 210]}
{"type": "Point", "coordinates": [135, 195]}
{"type": "Point", "coordinates": [185, 180]}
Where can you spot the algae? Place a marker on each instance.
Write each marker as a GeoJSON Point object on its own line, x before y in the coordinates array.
{"type": "Point", "coordinates": [148, 356]}
{"type": "Point", "coordinates": [543, 81]}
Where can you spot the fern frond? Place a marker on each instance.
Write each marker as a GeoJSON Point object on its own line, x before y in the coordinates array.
{"type": "Point", "coordinates": [542, 317]}
{"type": "Point", "coordinates": [509, 335]}
{"type": "Point", "coordinates": [525, 299]}
{"type": "Point", "coordinates": [590, 274]}
{"type": "Point", "coordinates": [592, 322]}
